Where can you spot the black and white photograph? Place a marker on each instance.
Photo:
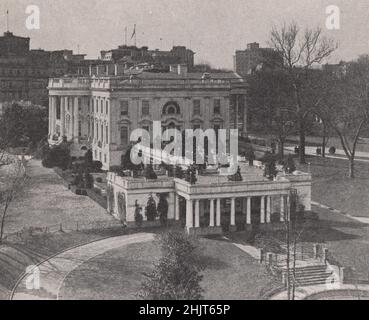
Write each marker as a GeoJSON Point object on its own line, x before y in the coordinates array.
{"type": "Point", "coordinates": [202, 151]}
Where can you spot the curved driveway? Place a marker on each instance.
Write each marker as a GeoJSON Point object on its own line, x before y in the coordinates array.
{"type": "Point", "coordinates": [56, 269]}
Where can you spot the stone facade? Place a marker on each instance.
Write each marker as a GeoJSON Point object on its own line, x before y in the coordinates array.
{"type": "Point", "coordinates": [213, 204]}
{"type": "Point", "coordinates": [101, 112]}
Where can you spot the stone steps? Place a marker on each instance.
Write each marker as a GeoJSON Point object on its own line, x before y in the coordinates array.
{"type": "Point", "coordinates": [311, 275]}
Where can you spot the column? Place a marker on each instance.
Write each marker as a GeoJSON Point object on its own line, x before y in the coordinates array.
{"type": "Point", "coordinates": [50, 117]}
{"type": "Point", "coordinates": [233, 212]}
{"type": "Point", "coordinates": [218, 213]}
{"type": "Point", "coordinates": [282, 209]}
{"type": "Point", "coordinates": [62, 116]}
{"type": "Point", "coordinates": [236, 113]}
{"type": "Point", "coordinates": [75, 118]}
{"type": "Point", "coordinates": [176, 208]}
{"type": "Point", "coordinates": [262, 210]}
{"type": "Point", "coordinates": [245, 114]}
{"type": "Point", "coordinates": [288, 208]}
{"type": "Point", "coordinates": [189, 214]}
{"type": "Point", "coordinates": [53, 114]}
{"type": "Point", "coordinates": [197, 213]}
{"type": "Point", "coordinates": [212, 216]}
{"type": "Point", "coordinates": [248, 211]}
{"type": "Point", "coordinates": [268, 209]}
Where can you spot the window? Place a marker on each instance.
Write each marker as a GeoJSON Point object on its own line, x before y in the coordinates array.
{"type": "Point", "coordinates": [102, 133]}
{"type": "Point", "coordinates": [105, 158]}
{"type": "Point", "coordinates": [145, 108]}
{"type": "Point", "coordinates": [124, 108]}
{"type": "Point", "coordinates": [196, 107]}
{"type": "Point", "coordinates": [79, 101]}
{"type": "Point", "coordinates": [124, 135]}
{"type": "Point", "coordinates": [107, 107]}
{"type": "Point", "coordinates": [97, 131]}
{"type": "Point", "coordinates": [216, 106]}
{"type": "Point", "coordinates": [79, 128]}
{"type": "Point", "coordinates": [101, 106]}
{"type": "Point", "coordinates": [95, 154]}
{"type": "Point", "coordinates": [107, 134]}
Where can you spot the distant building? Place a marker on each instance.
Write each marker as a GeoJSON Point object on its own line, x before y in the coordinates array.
{"type": "Point", "coordinates": [254, 58]}
{"type": "Point", "coordinates": [133, 55]}
{"type": "Point", "coordinates": [24, 73]}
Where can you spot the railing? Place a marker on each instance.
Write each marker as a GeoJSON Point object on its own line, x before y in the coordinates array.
{"type": "Point", "coordinates": [61, 228]}
{"type": "Point", "coordinates": [108, 83]}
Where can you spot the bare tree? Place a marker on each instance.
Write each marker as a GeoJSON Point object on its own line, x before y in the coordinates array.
{"type": "Point", "coordinates": [346, 108]}
{"type": "Point", "coordinates": [13, 181]}
{"type": "Point", "coordinates": [301, 51]}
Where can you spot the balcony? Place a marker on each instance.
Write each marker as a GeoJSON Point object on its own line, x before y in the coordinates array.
{"type": "Point", "coordinates": [70, 83]}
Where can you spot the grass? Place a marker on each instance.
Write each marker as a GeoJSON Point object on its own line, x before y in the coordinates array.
{"type": "Point", "coordinates": [117, 274]}
{"type": "Point", "coordinates": [332, 187]}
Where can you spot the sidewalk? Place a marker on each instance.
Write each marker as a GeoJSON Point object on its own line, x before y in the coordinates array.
{"type": "Point", "coordinates": [304, 292]}
{"type": "Point", "coordinates": [340, 154]}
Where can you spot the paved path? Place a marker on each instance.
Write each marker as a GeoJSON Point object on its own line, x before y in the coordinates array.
{"type": "Point", "coordinates": [304, 292]}
{"type": "Point", "coordinates": [340, 154]}
{"type": "Point", "coordinates": [54, 271]}
{"type": "Point", "coordinates": [364, 220]}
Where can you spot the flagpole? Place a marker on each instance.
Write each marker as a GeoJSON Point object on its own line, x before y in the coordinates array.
{"type": "Point", "coordinates": [7, 20]}
{"type": "Point", "coordinates": [135, 36]}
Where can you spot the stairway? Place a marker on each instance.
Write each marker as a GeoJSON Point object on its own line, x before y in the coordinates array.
{"type": "Point", "coordinates": [311, 275]}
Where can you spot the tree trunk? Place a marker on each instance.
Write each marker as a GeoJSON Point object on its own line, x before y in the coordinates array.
{"type": "Point", "coordinates": [281, 148]}
{"type": "Point", "coordinates": [302, 141]}
{"type": "Point", "coordinates": [324, 143]}
{"type": "Point", "coordinates": [351, 168]}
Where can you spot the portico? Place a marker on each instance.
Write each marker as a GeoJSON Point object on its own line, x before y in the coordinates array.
{"type": "Point", "coordinates": [212, 208]}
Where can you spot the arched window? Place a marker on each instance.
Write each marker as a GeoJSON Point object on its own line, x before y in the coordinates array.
{"type": "Point", "coordinates": [171, 108]}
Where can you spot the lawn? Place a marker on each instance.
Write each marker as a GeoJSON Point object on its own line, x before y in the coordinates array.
{"type": "Point", "coordinates": [46, 202]}
{"type": "Point", "coordinates": [333, 188]}
{"type": "Point", "coordinates": [117, 274]}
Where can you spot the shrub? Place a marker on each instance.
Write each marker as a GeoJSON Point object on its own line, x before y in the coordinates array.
{"type": "Point", "coordinates": [269, 161]}
{"type": "Point", "coordinates": [150, 210]}
{"type": "Point", "coordinates": [96, 166]}
{"type": "Point", "coordinates": [88, 181]}
{"type": "Point", "coordinates": [190, 175]}
{"type": "Point", "coordinates": [138, 215]}
{"type": "Point", "coordinates": [110, 199]}
{"type": "Point", "coordinates": [163, 208]}
{"type": "Point", "coordinates": [56, 157]}
{"type": "Point", "coordinates": [332, 150]}
{"type": "Point", "coordinates": [290, 166]}
{"type": "Point", "coordinates": [237, 176]}
{"type": "Point", "coordinates": [150, 173]}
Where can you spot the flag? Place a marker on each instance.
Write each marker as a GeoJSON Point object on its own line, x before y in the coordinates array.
{"type": "Point", "coordinates": [134, 32]}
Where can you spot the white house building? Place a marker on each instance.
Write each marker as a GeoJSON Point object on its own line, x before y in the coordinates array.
{"type": "Point", "coordinates": [100, 112]}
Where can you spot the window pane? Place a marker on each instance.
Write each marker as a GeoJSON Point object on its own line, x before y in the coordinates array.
{"type": "Point", "coordinates": [196, 107]}
{"type": "Point", "coordinates": [145, 107]}
{"type": "Point", "coordinates": [124, 108]}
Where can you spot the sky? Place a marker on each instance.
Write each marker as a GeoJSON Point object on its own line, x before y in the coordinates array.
{"type": "Point", "coordinates": [214, 29]}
